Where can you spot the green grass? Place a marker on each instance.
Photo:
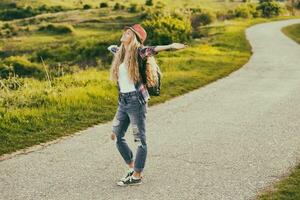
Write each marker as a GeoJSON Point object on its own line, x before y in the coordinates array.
{"type": "Point", "coordinates": [288, 188]}
{"type": "Point", "coordinates": [293, 31]}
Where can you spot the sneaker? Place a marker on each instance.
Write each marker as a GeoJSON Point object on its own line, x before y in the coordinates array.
{"type": "Point", "coordinates": [130, 181]}
{"type": "Point", "coordinates": [128, 173]}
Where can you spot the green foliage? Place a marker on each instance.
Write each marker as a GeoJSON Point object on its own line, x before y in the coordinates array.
{"type": "Point", "coordinates": [103, 5]}
{"type": "Point", "coordinates": [246, 10]}
{"type": "Point", "coordinates": [297, 4]}
{"type": "Point", "coordinates": [11, 82]}
{"type": "Point", "coordinates": [4, 5]}
{"type": "Point", "coordinates": [118, 6]}
{"type": "Point", "coordinates": [269, 8]}
{"type": "Point", "coordinates": [87, 6]}
{"type": "Point", "coordinates": [82, 53]}
{"type": "Point", "coordinates": [49, 9]}
{"type": "Point", "coordinates": [133, 8]}
{"type": "Point", "coordinates": [5, 70]}
{"type": "Point", "coordinates": [16, 13]}
{"type": "Point", "coordinates": [56, 29]}
{"type": "Point", "coordinates": [20, 66]}
{"type": "Point", "coordinates": [12, 11]}
{"type": "Point", "coordinates": [168, 29]}
{"type": "Point", "coordinates": [160, 5]}
{"type": "Point", "coordinates": [202, 18]}
{"type": "Point", "coordinates": [8, 30]}
{"type": "Point", "coordinates": [149, 3]}
{"type": "Point", "coordinates": [225, 15]}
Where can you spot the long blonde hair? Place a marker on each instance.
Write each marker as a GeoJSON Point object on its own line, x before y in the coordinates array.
{"type": "Point", "coordinates": [131, 63]}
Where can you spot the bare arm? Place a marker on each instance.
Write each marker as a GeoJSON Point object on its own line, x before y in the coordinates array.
{"type": "Point", "coordinates": [175, 46]}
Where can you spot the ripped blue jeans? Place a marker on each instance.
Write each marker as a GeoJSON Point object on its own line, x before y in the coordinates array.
{"type": "Point", "coordinates": [131, 110]}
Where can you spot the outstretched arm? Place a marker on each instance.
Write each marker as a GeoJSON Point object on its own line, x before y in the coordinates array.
{"type": "Point", "coordinates": [175, 46]}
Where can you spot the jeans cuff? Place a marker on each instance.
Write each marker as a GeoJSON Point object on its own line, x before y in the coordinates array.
{"type": "Point", "coordinates": [128, 161]}
{"type": "Point", "coordinates": [138, 169]}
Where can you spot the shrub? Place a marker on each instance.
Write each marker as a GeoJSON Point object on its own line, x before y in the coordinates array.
{"type": "Point", "coordinates": [16, 13]}
{"type": "Point", "coordinates": [167, 29]}
{"type": "Point", "coordinates": [117, 6]}
{"type": "Point", "coordinates": [247, 10]}
{"type": "Point", "coordinates": [223, 15]}
{"type": "Point", "coordinates": [160, 5]}
{"type": "Point", "coordinates": [103, 5]}
{"type": "Point", "coordinates": [87, 6]}
{"type": "Point", "coordinates": [44, 8]}
{"type": "Point", "coordinates": [5, 70]}
{"type": "Point", "coordinates": [22, 67]}
{"type": "Point", "coordinates": [152, 14]}
{"type": "Point", "coordinates": [56, 29]}
{"type": "Point", "coordinates": [132, 8]}
{"type": "Point", "coordinates": [269, 8]}
{"type": "Point", "coordinates": [8, 30]}
{"type": "Point", "coordinates": [7, 5]}
{"type": "Point", "coordinates": [297, 5]}
{"type": "Point", "coordinates": [81, 53]}
{"type": "Point", "coordinates": [201, 19]}
{"type": "Point", "coordinates": [149, 3]}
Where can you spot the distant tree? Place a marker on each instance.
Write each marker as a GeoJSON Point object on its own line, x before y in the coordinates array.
{"type": "Point", "coordinates": [103, 5]}
{"type": "Point", "coordinates": [132, 8]}
{"type": "Point", "coordinates": [149, 3]}
{"type": "Point", "coordinates": [87, 6]}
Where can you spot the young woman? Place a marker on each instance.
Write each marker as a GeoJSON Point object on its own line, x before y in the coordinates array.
{"type": "Point", "coordinates": [133, 97]}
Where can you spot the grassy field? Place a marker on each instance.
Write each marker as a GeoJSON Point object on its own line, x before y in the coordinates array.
{"type": "Point", "coordinates": [293, 31]}
{"type": "Point", "coordinates": [208, 4]}
{"type": "Point", "coordinates": [286, 189]}
{"type": "Point", "coordinates": [289, 186]}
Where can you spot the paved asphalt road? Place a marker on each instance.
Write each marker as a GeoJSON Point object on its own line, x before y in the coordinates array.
{"type": "Point", "coordinates": [227, 140]}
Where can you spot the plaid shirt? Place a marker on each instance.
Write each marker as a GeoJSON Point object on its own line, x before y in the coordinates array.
{"type": "Point", "coordinates": [144, 52]}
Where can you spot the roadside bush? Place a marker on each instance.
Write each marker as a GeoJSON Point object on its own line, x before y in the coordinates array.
{"type": "Point", "coordinates": [167, 29]}
{"type": "Point", "coordinates": [269, 8]}
{"type": "Point", "coordinates": [56, 29]}
{"type": "Point", "coordinates": [247, 10]}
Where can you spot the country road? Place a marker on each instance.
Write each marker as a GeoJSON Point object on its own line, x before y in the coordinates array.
{"type": "Point", "coordinates": [227, 140]}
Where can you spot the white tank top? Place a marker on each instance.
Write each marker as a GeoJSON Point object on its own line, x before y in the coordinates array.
{"type": "Point", "coordinates": [126, 85]}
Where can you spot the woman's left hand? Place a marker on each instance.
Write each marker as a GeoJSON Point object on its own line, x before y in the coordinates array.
{"type": "Point", "coordinates": [178, 46]}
